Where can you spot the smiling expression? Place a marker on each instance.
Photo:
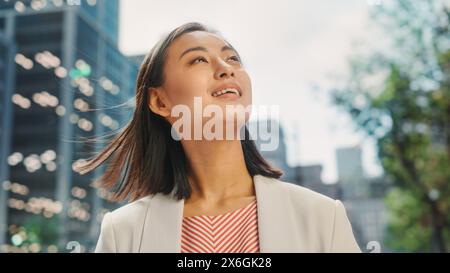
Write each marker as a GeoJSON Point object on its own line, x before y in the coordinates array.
{"type": "Point", "coordinates": [202, 64]}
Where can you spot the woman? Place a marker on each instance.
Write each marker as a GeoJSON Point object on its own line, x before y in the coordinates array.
{"type": "Point", "coordinates": [204, 195]}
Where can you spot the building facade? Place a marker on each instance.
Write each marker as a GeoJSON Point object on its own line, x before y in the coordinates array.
{"type": "Point", "coordinates": [70, 83]}
{"type": "Point", "coordinates": [7, 52]}
{"type": "Point", "coordinates": [363, 198]}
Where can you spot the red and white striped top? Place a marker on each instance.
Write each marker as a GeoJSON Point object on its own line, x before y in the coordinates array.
{"type": "Point", "coordinates": [234, 232]}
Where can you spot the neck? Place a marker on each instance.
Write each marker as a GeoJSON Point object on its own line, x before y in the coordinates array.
{"type": "Point", "coordinates": [217, 170]}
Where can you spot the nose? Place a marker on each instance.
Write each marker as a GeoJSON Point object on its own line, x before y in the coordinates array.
{"type": "Point", "coordinates": [224, 70]}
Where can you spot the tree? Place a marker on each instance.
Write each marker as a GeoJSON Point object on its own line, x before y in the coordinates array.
{"type": "Point", "coordinates": [401, 97]}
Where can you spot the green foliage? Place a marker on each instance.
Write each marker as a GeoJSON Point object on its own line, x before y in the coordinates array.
{"type": "Point", "coordinates": [36, 233]}
{"type": "Point", "coordinates": [408, 229]}
{"type": "Point", "coordinates": [408, 114]}
{"type": "Point", "coordinates": [42, 230]}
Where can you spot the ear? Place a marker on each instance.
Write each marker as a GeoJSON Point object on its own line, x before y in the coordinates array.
{"type": "Point", "coordinates": [157, 102]}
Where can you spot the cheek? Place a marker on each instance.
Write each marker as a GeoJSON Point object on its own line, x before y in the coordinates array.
{"type": "Point", "coordinates": [185, 86]}
{"type": "Point", "coordinates": [246, 83]}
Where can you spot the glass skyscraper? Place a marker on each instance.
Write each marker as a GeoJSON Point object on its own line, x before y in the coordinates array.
{"type": "Point", "coordinates": [70, 82]}
{"type": "Point", "coordinates": [7, 49]}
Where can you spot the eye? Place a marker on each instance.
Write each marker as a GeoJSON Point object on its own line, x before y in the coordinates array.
{"type": "Point", "coordinates": [235, 58]}
{"type": "Point", "coordinates": [199, 58]}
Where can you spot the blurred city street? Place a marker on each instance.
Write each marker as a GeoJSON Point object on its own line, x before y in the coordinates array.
{"type": "Point", "coordinates": [363, 87]}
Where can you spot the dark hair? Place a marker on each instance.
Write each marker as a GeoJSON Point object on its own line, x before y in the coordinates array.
{"type": "Point", "coordinates": [144, 158]}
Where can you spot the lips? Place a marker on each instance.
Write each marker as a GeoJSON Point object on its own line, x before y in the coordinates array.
{"type": "Point", "coordinates": [230, 90]}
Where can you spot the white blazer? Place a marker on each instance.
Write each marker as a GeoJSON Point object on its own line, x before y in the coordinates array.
{"type": "Point", "coordinates": [291, 218]}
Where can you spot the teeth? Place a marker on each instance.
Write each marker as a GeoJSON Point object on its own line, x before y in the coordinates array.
{"type": "Point", "coordinates": [228, 90]}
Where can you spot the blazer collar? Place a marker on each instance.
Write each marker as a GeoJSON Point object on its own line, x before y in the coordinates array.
{"type": "Point", "coordinates": [163, 220]}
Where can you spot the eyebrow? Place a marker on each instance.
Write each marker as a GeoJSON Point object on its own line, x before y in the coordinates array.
{"type": "Point", "coordinates": [201, 48]}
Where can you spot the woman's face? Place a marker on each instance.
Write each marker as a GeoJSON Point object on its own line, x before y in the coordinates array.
{"type": "Point", "coordinates": [199, 64]}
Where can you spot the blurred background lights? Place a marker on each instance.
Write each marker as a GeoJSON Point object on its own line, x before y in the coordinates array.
{"type": "Point", "coordinates": [35, 205]}
{"type": "Point", "coordinates": [109, 86]}
{"type": "Point", "coordinates": [61, 72]}
{"type": "Point", "coordinates": [16, 188]}
{"type": "Point", "coordinates": [48, 156]}
{"type": "Point", "coordinates": [58, 3]}
{"type": "Point", "coordinates": [79, 210]}
{"type": "Point", "coordinates": [85, 124]}
{"type": "Point", "coordinates": [21, 101]}
{"type": "Point", "coordinates": [83, 85]}
{"type": "Point", "coordinates": [50, 166]}
{"type": "Point", "coordinates": [15, 158]}
{"type": "Point", "coordinates": [91, 2]}
{"type": "Point", "coordinates": [19, 6]}
{"type": "Point", "coordinates": [32, 163]}
{"type": "Point", "coordinates": [60, 110]}
{"type": "Point", "coordinates": [45, 99]}
{"type": "Point", "coordinates": [74, 118]}
{"type": "Point", "coordinates": [78, 163]}
{"type": "Point", "coordinates": [47, 59]}
{"type": "Point", "coordinates": [81, 105]}
{"type": "Point", "coordinates": [24, 61]}
{"type": "Point", "coordinates": [108, 121]}
{"type": "Point", "coordinates": [38, 4]}
{"type": "Point", "coordinates": [42, 79]}
{"type": "Point", "coordinates": [17, 239]}
{"type": "Point", "coordinates": [78, 192]}
{"type": "Point", "coordinates": [82, 69]}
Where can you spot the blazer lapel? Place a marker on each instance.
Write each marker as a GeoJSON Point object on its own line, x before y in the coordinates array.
{"type": "Point", "coordinates": [276, 226]}
{"type": "Point", "coordinates": [277, 233]}
{"type": "Point", "coordinates": [162, 226]}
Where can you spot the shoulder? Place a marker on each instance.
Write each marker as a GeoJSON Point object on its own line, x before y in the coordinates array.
{"type": "Point", "coordinates": [318, 216]}
{"type": "Point", "coordinates": [129, 214]}
{"type": "Point", "coordinates": [313, 205]}
{"type": "Point", "coordinates": [303, 198]}
{"type": "Point", "coordinates": [308, 197]}
{"type": "Point", "coordinates": [121, 228]}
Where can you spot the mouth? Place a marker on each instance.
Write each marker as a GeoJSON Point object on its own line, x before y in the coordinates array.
{"type": "Point", "coordinates": [228, 92]}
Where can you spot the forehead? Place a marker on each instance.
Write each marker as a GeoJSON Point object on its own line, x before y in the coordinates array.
{"type": "Point", "coordinates": [196, 38]}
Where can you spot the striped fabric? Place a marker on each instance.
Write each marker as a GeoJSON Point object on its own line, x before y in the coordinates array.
{"type": "Point", "coordinates": [235, 231]}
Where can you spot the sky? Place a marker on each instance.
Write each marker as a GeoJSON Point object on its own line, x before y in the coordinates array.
{"type": "Point", "coordinates": [292, 50]}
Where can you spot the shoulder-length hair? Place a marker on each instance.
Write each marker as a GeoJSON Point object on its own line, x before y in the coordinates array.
{"type": "Point", "coordinates": [144, 159]}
